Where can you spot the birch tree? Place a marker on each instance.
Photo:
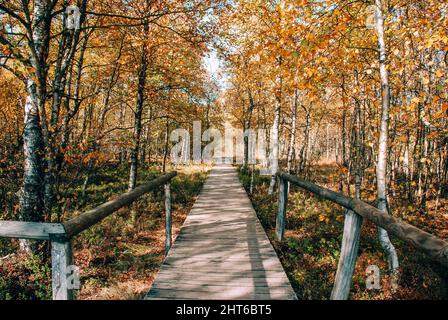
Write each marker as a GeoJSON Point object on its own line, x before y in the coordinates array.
{"type": "Point", "coordinates": [383, 149]}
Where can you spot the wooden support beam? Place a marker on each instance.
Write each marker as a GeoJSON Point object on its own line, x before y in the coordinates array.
{"type": "Point", "coordinates": [435, 248]}
{"type": "Point", "coordinates": [62, 269]}
{"type": "Point", "coordinates": [91, 217]}
{"type": "Point", "coordinates": [347, 258]}
{"type": "Point", "coordinates": [168, 219]}
{"type": "Point", "coordinates": [281, 210]}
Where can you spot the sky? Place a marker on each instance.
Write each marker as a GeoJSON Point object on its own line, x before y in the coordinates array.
{"type": "Point", "coordinates": [214, 67]}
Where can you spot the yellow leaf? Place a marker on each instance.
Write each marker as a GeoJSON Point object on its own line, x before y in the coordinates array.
{"type": "Point", "coordinates": [415, 100]}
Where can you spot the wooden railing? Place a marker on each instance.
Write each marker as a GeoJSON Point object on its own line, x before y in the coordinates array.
{"type": "Point", "coordinates": [433, 247]}
{"type": "Point", "coordinates": [61, 234]}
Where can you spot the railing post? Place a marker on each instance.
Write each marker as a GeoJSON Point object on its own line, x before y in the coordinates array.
{"type": "Point", "coordinates": [63, 281]}
{"type": "Point", "coordinates": [168, 218]}
{"type": "Point", "coordinates": [347, 259]}
{"type": "Point", "coordinates": [281, 211]}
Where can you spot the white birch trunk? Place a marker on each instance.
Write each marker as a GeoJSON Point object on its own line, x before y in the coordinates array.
{"type": "Point", "coordinates": [381, 173]}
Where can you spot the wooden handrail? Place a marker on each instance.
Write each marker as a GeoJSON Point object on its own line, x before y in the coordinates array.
{"type": "Point", "coordinates": [93, 216]}
{"type": "Point", "coordinates": [60, 234]}
{"type": "Point", "coordinates": [434, 247]}
{"type": "Point", "coordinates": [30, 230]}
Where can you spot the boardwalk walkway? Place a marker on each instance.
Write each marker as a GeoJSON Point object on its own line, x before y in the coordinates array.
{"type": "Point", "coordinates": [222, 251]}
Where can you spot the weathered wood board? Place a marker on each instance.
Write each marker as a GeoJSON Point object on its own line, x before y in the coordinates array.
{"type": "Point", "coordinates": [29, 230]}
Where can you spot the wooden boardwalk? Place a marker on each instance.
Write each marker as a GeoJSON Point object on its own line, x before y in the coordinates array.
{"type": "Point", "coordinates": [222, 251]}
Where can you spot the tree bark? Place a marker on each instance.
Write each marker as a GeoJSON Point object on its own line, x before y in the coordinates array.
{"type": "Point", "coordinates": [165, 149]}
{"type": "Point", "coordinates": [381, 173]}
{"type": "Point", "coordinates": [306, 139]}
{"type": "Point", "coordinates": [292, 139]}
{"type": "Point", "coordinates": [31, 195]}
{"type": "Point", "coordinates": [248, 126]}
{"type": "Point", "coordinates": [274, 143]}
{"type": "Point", "coordinates": [31, 201]}
{"type": "Point", "coordinates": [138, 114]}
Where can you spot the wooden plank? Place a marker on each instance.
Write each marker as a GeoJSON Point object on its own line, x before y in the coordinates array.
{"type": "Point", "coordinates": [272, 264]}
{"type": "Point", "coordinates": [227, 265]}
{"type": "Point", "coordinates": [208, 287]}
{"type": "Point", "coordinates": [238, 276]}
{"type": "Point", "coordinates": [219, 260]}
{"type": "Point", "coordinates": [220, 269]}
{"type": "Point", "coordinates": [241, 277]}
{"type": "Point", "coordinates": [222, 251]}
{"type": "Point", "coordinates": [235, 294]}
{"type": "Point", "coordinates": [220, 235]}
{"type": "Point", "coordinates": [30, 230]}
{"type": "Point", "coordinates": [211, 229]}
{"type": "Point", "coordinates": [221, 285]}
{"type": "Point", "coordinates": [231, 279]}
{"type": "Point", "coordinates": [244, 245]}
{"type": "Point", "coordinates": [260, 240]}
{"type": "Point", "coordinates": [242, 251]}
{"type": "Point", "coordinates": [241, 243]}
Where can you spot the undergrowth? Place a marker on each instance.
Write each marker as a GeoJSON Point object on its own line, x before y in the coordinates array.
{"type": "Point", "coordinates": [119, 257]}
{"type": "Point", "coordinates": [311, 248]}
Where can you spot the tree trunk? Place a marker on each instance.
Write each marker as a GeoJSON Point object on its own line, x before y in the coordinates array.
{"type": "Point", "coordinates": [64, 64]}
{"type": "Point", "coordinates": [406, 167]}
{"type": "Point", "coordinates": [70, 114]}
{"type": "Point", "coordinates": [381, 173]}
{"type": "Point", "coordinates": [248, 126]}
{"type": "Point", "coordinates": [292, 139]}
{"type": "Point", "coordinates": [138, 115]}
{"type": "Point", "coordinates": [306, 139]}
{"type": "Point", "coordinates": [32, 194]}
{"type": "Point", "coordinates": [274, 143]}
{"type": "Point", "coordinates": [165, 150]}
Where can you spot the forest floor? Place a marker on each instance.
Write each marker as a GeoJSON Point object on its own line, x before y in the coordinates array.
{"type": "Point", "coordinates": [119, 257]}
{"type": "Point", "coordinates": [311, 248]}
